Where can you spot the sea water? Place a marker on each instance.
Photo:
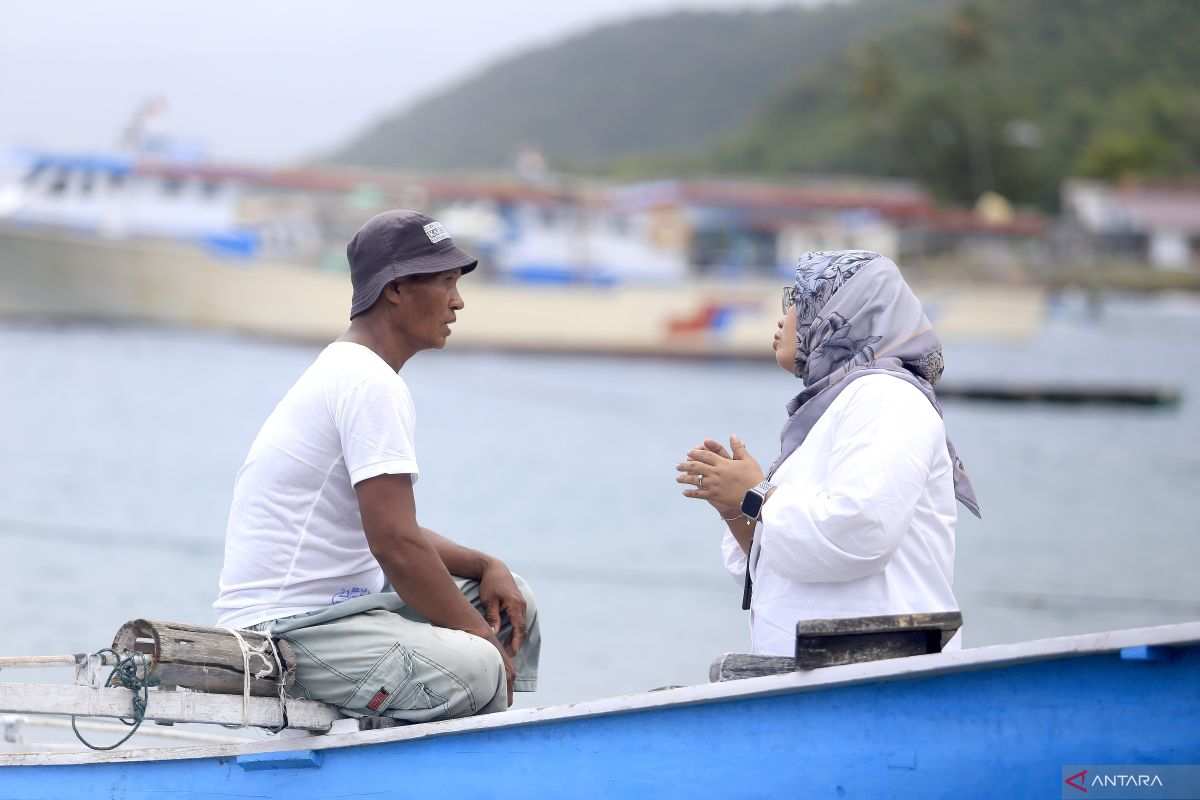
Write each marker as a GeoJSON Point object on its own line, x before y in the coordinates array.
{"type": "Point", "coordinates": [121, 445]}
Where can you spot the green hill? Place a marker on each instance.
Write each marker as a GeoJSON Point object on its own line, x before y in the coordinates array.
{"type": "Point", "coordinates": [652, 86]}
{"type": "Point", "coordinates": [1012, 95]}
{"type": "Point", "coordinates": [964, 95]}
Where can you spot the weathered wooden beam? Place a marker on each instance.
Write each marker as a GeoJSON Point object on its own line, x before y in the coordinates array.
{"type": "Point", "coordinates": [205, 659]}
{"type": "Point", "coordinates": [8, 662]}
{"type": "Point", "coordinates": [168, 707]}
{"type": "Point", "coordinates": [88, 668]}
{"type": "Point", "coordinates": [831, 642]}
{"type": "Point", "coordinates": [735, 666]}
{"type": "Point", "coordinates": [42, 721]}
{"type": "Point", "coordinates": [945, 621]}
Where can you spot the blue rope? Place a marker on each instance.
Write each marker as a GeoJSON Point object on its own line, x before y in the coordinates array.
{"type": "Point", "coordinates": [125, 673]}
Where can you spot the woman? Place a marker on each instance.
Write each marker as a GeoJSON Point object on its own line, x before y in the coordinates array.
{"type": "Point", "coordinates": [857, 515]}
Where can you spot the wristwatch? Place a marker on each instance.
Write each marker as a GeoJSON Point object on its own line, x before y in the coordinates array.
{"type": "Point", "coordinates": [753, 501]}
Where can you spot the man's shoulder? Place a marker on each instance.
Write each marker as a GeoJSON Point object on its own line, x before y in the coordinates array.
{"type": "Point", "coordinates": [355, 380]}
{"type": "Point", "coordinates": [348, 364]}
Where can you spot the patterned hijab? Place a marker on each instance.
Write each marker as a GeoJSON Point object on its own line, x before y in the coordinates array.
{"type": "Point", "coordinates": [848, 327]}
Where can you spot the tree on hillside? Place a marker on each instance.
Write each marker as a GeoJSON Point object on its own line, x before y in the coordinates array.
{"type": "Point", "coordinates": [969, 46]}
{"type": "Point", "coordinates": [877, 85]}
{"type": "Point", "coordinates": [1150, 130]}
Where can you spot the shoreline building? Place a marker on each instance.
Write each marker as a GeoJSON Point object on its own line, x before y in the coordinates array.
{"type": "Point", "coordinates": [1154, 223]}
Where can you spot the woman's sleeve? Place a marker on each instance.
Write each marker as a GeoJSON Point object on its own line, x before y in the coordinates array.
{"type": "Point", "coordinates": [848, 528]}
{"type": "Point", "coordinates": [735, 559]}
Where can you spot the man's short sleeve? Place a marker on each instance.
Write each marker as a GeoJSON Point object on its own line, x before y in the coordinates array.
{"type": "Point", "coordinates": [376, 421]}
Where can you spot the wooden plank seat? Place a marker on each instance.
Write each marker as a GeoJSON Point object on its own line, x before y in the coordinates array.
{"type": "Point", "coordinates": [830, 642]}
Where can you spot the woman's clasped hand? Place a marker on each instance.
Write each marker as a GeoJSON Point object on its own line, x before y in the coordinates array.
{"type": "Point", "coordinates": [718, 475]}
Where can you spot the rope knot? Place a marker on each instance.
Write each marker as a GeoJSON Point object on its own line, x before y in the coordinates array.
{"type": "Point", "coordinates": [131, 671]}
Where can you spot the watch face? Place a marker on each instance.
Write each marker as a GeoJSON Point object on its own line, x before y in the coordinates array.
{"type": "Point", "coordinates": [752, 504]}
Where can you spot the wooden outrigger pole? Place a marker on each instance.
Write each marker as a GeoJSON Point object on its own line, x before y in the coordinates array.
{"type": "Point", "coordinates": [200, 674]}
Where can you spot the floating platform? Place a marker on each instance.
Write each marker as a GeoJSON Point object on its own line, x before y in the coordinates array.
{"type": "Point", "coordinates": [1063, 394]}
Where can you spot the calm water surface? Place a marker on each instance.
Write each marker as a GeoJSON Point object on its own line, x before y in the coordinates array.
{"type": "Point", "coordinates": [121, 445]}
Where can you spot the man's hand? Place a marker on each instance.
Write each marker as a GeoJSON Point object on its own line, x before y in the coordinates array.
{"type": "Point", "coordinates": [498, 594]}
{"type": "Point", "coordinates": [720, 479]}
{"type": "Point", "coordinates": [417, 570]}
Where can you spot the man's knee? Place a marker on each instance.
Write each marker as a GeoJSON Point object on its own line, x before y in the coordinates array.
{"type": "Point", "coordinates": [527, 593]}
{"type": "Point", "coordinates": [477, 681]}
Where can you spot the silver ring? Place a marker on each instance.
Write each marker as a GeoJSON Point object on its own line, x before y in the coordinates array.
{"type": "Point", "coordinates": [699, 481]}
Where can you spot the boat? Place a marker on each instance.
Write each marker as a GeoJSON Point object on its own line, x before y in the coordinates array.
{"type": "Point", "coordinates": [67, 276]}
{"type": "Point", "coordinates": [1005, 721]}
{"type": "Point", "coordinates": [136, 239]}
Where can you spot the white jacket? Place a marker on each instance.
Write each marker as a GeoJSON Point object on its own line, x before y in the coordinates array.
{"type": "Point", "coordinates": [862, 522]}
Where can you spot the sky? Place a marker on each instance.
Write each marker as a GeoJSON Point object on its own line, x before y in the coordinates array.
{"type": "Point", "coordinates": [262, 81]}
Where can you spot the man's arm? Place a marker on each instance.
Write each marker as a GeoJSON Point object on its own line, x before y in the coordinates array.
{"type": "Point", "coordinates": [497, 589]}
{"type": "Point", "coordinates": [498, 592]}
{"type": "Point", "coordinates": [414, 565]}
{"type": "Point", "coordinates": [459, 560]}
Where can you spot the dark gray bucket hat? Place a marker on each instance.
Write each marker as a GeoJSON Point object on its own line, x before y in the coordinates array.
{"type": "Point", "coordinates": [395, 244]}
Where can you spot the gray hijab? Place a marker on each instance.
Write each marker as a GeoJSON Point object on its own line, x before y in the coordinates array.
{"type": "Point", "coordinates": [856, 317]}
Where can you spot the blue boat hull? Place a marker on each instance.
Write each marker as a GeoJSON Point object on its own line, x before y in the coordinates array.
{"type": "Point", "coordinates": [985, 732]}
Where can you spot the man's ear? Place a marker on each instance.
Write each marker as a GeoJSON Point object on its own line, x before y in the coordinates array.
{"type": "Point", "coordinates": [391, 292]}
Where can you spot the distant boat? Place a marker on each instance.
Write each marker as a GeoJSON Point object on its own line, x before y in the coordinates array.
{"type": "Point", "coordinates": [128, 238]}
{"type": "Point", "coordinates": [72, 276]}
{"type": "Point", "coordinates": [1005, 721]}
{"type": "Point", "coordinates": [123, 196]}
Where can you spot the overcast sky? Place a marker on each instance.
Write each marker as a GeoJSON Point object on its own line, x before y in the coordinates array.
{"type": "Point", "coordinates": [261, 81]}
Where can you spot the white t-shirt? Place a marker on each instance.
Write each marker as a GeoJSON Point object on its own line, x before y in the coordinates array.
{"type": "Point", "coordinates": [295, 538]}
{"type": "Point", "coordinates": [862, 522]}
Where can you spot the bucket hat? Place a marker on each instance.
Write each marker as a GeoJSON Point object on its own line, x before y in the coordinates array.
{"type": "Point", "coordinates": [395, 244]}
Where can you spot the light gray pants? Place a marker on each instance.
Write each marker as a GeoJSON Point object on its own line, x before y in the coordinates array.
{"type": "Point", "coordinates": [375, 656]}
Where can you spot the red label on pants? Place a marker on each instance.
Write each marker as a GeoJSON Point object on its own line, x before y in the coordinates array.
{"type": "Point", "coordinates": [377, 700]}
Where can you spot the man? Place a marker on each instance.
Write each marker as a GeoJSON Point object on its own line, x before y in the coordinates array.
{"type": "Point", "coordinates": [323, 546]}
